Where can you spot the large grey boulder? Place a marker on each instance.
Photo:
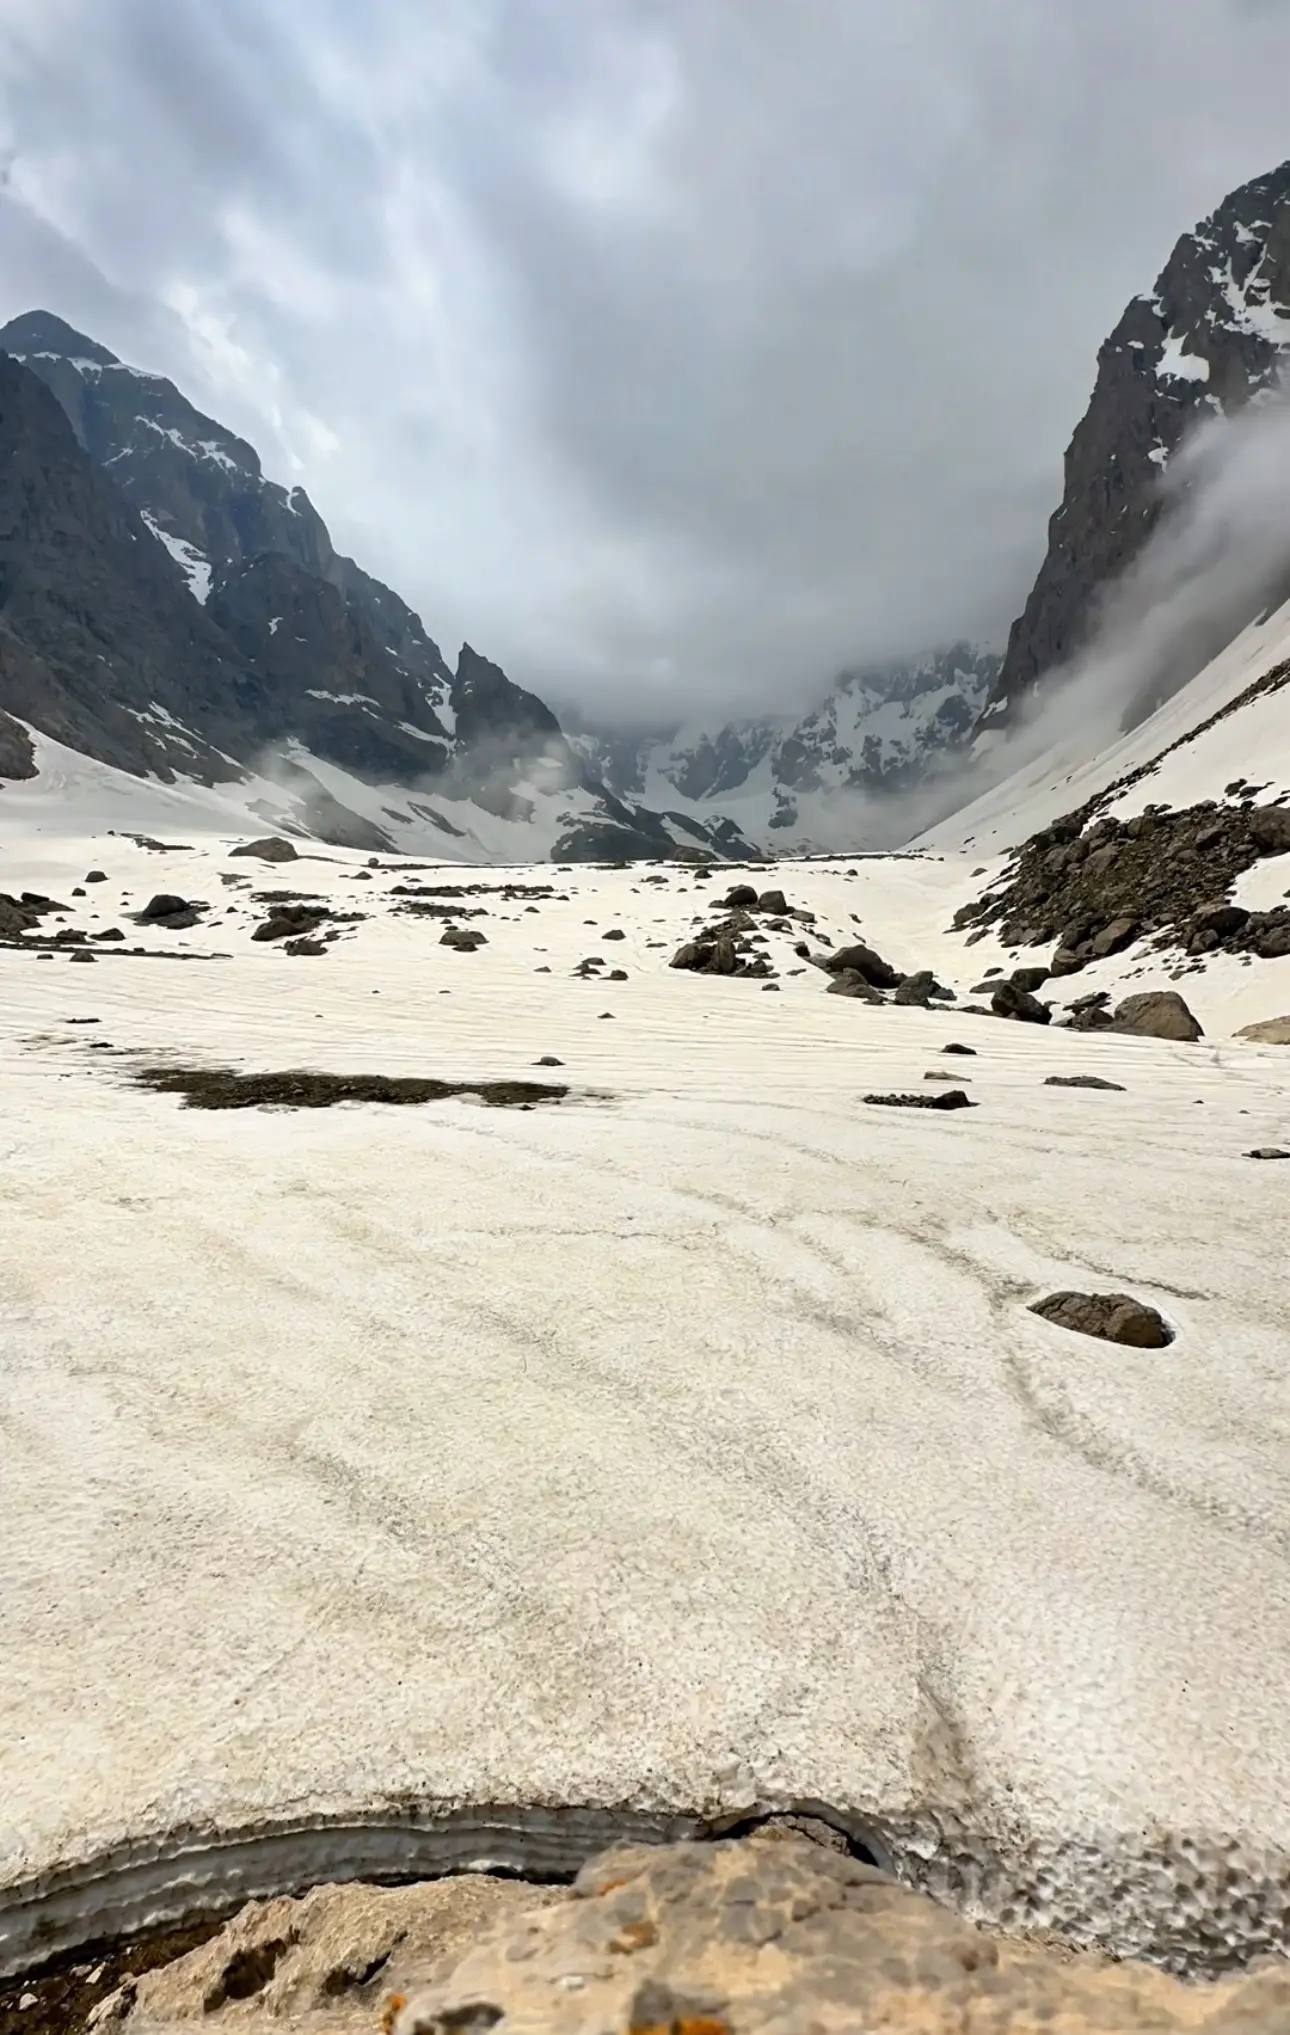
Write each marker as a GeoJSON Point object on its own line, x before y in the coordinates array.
{"type": "Point", "coordinates": [1157, 1014]}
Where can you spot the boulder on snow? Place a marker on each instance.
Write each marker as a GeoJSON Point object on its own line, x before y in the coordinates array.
{"type": "Point", "coordinates": [272, 849]}
{"type": "Point", "coordinates": [864, 961]}
{"type": "Point", "coordinates": [464, 938]}
{"type": "Point", "coordinates": [1268, 1032]}
{"type": "Point", "coordinates": [1157, 1014]}
{"type": "Point", "coordinates": [851, 984]}
{"type": "Point", "coordinates": [1008, 1001]}
{"type": "Point", "coordinates": [1111, 1317]}
{"type": "Point", "coordinates": [1270, 829]}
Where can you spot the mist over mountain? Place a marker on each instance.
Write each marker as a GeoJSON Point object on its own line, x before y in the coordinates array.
{"type": "Point", "coordinates": [1210, 340]}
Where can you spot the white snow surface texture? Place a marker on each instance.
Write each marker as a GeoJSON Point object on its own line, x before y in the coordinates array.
{"type": "Point", "coordinates": [682, 1449]}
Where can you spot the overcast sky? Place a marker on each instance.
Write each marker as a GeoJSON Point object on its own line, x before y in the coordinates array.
{"type": "Point", "coordinates": [676, 352]}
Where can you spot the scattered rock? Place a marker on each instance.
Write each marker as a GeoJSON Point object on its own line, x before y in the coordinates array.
{"type": "Point", "coordinates": [548, 1060]}
{"type": "Point", "coordinates": [741, 898]}
{"type": "Point", "coordinates": [771, 985]}
{"type": "Point", "coordinates": [304, 945]}
{"type": "Point", "coordinates": [1269, 829]}
{"type": "Point", "coordinates": [1009, 1001]}
{"type": "Point", "coordinates": [860, 959]}
{"type": "Point", "coordinates": [1268, 1032]}
{"type": "Point", "coordinates": [1095, 883]}
{"type": "Point", "coordinates": [464, 938]}
{"type": "Point", "coordinates": [96, 876]}
{"type": "Point", "coordinates": [1089, 1013]}
{"type": "Point", "coordinates": [953, 1098]}
{"type": "Point", "coordinates": [954, 1047]}
{"type": "Point", "coordinates": [851, 984]}
{"type": "Point", "coordinates": [1156, 1014]}
{"type": "Point", "coordinates": [165, 909]}
{"type": "Point", "coordinates": [922, 990]}
{"type": "Point", "coordinates": [1082, 1081]}
{"type": "Point", "coordinates": [614, 933]}
{"type": "Point", "coordinates": [272, 849]}
{"type": "Point", "coordinates": [773, 901]}
{"type": "Point", "coordinates": [1111, 1317]}
{"type": "Point", "coordinates": [1268, 1152]}
{"type": "Point", "coordinates": [943, 1074]}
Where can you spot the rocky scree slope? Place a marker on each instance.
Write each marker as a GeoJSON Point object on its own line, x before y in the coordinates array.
{"type": "Point", "coordinates": [1212, 337]}
{"type": "Point", "coordinates": [166, 608]}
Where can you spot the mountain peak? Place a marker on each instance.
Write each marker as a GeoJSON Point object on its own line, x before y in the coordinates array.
{"type": "Point", "coordinates": [43, 332]}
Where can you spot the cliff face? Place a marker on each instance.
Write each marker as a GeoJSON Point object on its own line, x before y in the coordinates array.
{"type": "Point", "coordinates": [1212, 336]}
{"type": "Point", "coordinates": [166, 609]}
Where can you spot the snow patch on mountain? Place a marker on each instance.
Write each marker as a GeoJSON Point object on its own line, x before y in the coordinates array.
{"type": "Point", "coordinates": [195, 568]}
{"type": "Point", "coordinates": [838, 777]}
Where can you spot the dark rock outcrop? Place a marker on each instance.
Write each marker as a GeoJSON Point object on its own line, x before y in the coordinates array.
{"type": "Point", "coordinates": [1094, 883]}
{"type": "Point", "coordinates": [1111, 1317]}
{"type": "Point", "coordinates": [1206, 340]}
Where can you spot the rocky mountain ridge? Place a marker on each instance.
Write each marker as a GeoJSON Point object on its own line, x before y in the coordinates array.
{"type": "Point", "coordinates": [167, 609]}
{"type": "Point", "coordinates": [798, 781]}
{"type": "Point", "coordinates": [1210, 338]}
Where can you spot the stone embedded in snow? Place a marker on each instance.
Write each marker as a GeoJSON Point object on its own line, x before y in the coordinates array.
{"type": "Point", "coordinates": [1111, 1317]}
{"type": "Point", "coordinates": [1270, 828]}
{"type": "Point", "coordinates": [272, 849]}
{"type": "Point", "coordinates": [1259, 1152]}
{"type": "Point", "coordinates": [1157, 1014]}
{"type": "Point", "coordinates": [1267, 1032]}
{"type": "Point", "coordinates": [1009, 1001]}
{"type": "Point", "coordinates": [861, 959]}
{"type": "Point", "coordinates": [853, 985]}
{"type": "Point", "coordinates": [953, 1098]}
{"type": "Point", "coordinates": [464, 938]}
{"type": "Point", "coordinates": [1082, 1081]}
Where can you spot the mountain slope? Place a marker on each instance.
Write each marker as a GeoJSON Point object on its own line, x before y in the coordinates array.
{"type": "Point", "coordinates": [165, 608]}
{"type": "Point", "coordinates": [1212, 336]}
{"type": "Point", "coordinates": [831, 778]}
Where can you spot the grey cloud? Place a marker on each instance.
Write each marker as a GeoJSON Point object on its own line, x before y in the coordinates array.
{"type": "Point", "coordinates": [678, 352]}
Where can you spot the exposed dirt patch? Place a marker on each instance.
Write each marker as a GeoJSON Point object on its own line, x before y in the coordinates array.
{"type": "Point", "coordinates": [61, 1996]}
{"type": "Point", "coordinates": [299, 1088]}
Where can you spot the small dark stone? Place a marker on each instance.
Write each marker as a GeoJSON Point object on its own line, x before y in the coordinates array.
{"type": "Point", "coordinates": [548, 1060]}
{"type": "Point", "coordinates": [96, 876]}
{"type": "Point", "coordinates": [954, 1047]}
{"type": "Point", "coordinates": [953, 1098]}
{"type": "Point", "coordinates": [1265, 1152]}
{"type": "Point", "coordinates": [1081, 1081]}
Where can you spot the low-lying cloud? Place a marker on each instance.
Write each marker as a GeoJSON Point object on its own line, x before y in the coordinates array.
{"type": "Point", "coordinates": [678, 352]}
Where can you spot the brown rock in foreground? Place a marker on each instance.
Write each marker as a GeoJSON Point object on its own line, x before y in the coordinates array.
{"type": "Point", "coordinates": [761, 1938]}
{"type": "Point", "coordinates": [769, 1935]}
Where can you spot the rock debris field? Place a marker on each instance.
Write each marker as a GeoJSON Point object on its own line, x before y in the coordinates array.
{"type": "Point", "coordinates": [636, 1431]}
